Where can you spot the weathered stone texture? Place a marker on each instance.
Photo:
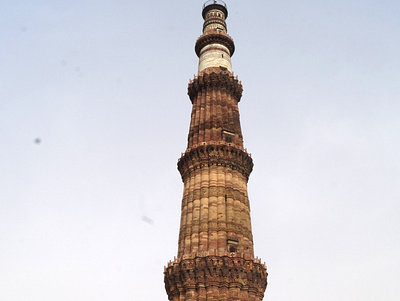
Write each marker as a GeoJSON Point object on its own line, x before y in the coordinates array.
{"type": "Point", "coordinates": [215, 249]}
{"type": "Point", "coordinates": [211, 277]}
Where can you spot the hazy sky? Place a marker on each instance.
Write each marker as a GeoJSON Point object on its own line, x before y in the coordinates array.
{"type": "Point", "coordinates": [94, 115]}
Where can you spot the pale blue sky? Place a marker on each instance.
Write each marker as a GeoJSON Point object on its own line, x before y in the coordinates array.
{"type": "Point", "coordinates": [91, 211]}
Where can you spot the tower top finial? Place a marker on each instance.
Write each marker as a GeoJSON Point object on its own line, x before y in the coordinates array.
{"type": "Point", "coordinates": [215, 4]}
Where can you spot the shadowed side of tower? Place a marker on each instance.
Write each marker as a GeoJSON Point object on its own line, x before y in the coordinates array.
{"type": "Point", "coordinates": [215, 251]}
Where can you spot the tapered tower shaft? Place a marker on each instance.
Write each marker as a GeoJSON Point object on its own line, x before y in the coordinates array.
{"type": "Point", "coordinates": [215, 250]}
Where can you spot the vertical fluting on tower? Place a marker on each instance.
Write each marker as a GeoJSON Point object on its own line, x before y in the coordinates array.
{"type": "Point", "coordinates": [215, 250]}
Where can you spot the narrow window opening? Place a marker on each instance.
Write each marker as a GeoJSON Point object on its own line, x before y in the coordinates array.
{"type": "Point", "coordinates": [228, 139]}
{"type": "Point", "coordinates": [232, 245]}
{"type": "Point", "coordinates": [228, 136]}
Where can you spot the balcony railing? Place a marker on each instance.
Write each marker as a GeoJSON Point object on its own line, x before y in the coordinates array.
{"type": "Point", "coordinates": [211, 2]}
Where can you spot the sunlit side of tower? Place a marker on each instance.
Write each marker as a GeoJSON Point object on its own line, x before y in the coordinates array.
{"type": "Point", "coordinates": [215, 251]}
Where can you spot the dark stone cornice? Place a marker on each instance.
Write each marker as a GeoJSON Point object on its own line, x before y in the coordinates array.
{"type": "Point", "coordinates": [214, 37]}
{"type": "Point", "coordinates": [219, 155]}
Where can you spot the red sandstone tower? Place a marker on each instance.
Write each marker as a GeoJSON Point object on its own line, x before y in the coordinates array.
{"type": "Point", "coordinates": [215, 252]}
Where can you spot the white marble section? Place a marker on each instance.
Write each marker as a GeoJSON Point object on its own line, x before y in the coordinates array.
{"type": "Point", "coordinates": [215, 55]}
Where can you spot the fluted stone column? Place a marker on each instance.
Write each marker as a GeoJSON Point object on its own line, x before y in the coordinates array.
{"type": "Point", "coordinates": [215, 258]}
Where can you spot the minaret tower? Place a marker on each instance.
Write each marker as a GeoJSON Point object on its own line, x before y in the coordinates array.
{"type": "Point", "coordinates": [215, 251]}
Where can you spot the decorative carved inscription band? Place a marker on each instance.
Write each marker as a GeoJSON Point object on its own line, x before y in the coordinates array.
{"type": "Point", "coordinates": [216, 271]}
